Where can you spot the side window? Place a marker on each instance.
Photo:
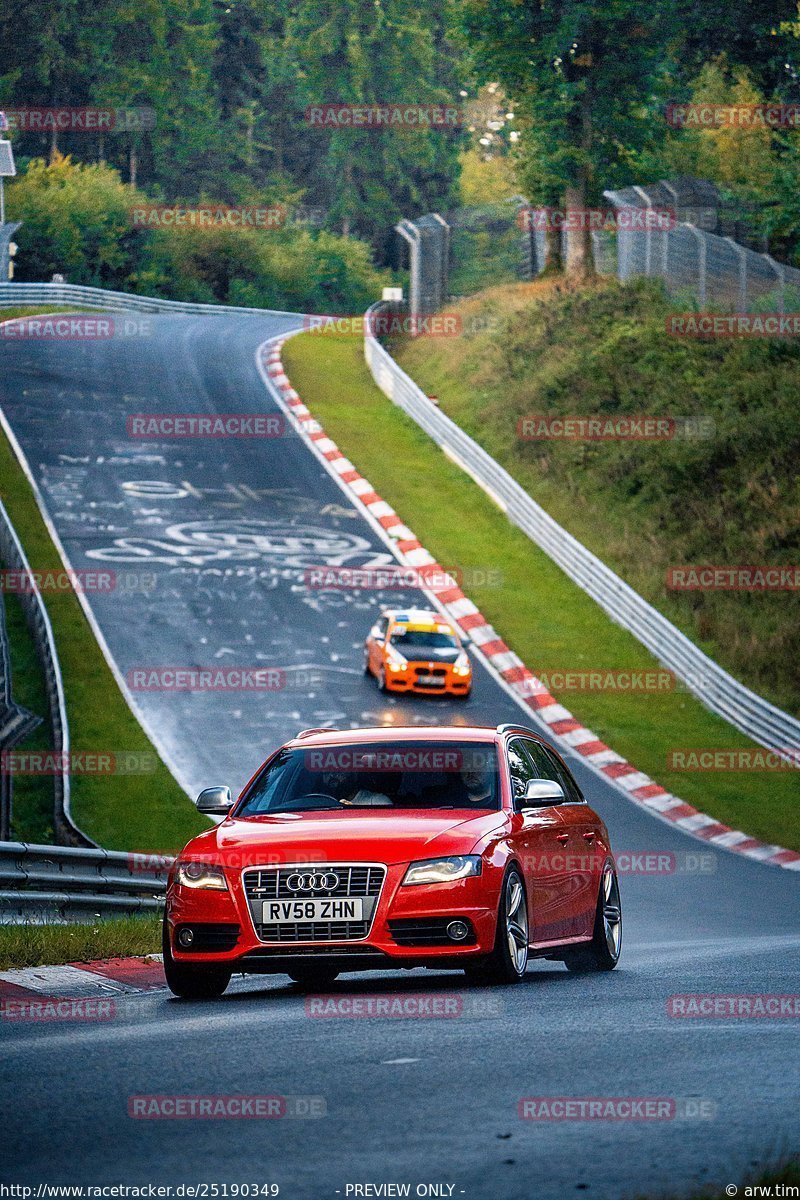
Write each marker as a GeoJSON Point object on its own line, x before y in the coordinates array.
{"type": "Point", "coordinates": [549, 767]}
{"type": "Point", "coordinates": [381, 626]}
{"type": "Point", "coordinates": [520, 767]}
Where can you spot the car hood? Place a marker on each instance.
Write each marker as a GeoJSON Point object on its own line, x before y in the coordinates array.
{"type": "Point", "coordinates": [378, 836]}
{"type": "Point", "coordinates": [424, 654]}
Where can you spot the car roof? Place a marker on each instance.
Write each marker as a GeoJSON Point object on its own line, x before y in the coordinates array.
{"type": "Point", "coordinates": [407, 733]}
{"type": "Point", "coordinates": [417, 616]}
{"type": "Point", "coordinates": [403, 733]}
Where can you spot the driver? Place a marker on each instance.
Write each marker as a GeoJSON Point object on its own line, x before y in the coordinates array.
{"type": "Point", "coordinates": [479, 785]}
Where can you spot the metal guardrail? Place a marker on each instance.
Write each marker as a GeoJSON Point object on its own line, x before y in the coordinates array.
{"type": "Point", "coordinates": [38, 622]}
{"type": "Point", "coordinates": [91, 297]}
{"type": "Point", "coordinates": [704, 678]}
{"type": "Point", "coordinates": [67, 883]}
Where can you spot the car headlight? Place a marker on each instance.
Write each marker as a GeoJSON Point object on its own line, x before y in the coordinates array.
{"type": "Point", "coordinates": [443, 870]}
{"type": "Point", "coordinates": [462, 665]}
{"type": "Point", "coordinates": [395, 660]}
{"type": "Point", "coordinates": [201, 875]}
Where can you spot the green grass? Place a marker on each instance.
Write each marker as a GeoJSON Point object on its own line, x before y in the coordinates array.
{"type": "Point", "coordinates": [732, 498]}
{"type": "Point", "coordinates": [49, 945]}
{"type": "Point", "coordinates": [542, 615]}
{"type": "Point", "coordinates": [32, 812]}
{"type": "Point", "coordinates": [121, 812]}
{"type": "Point", "coordinates": [8, 314]}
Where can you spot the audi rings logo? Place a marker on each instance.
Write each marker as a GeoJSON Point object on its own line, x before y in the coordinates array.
{"type": "Point", "coordinates": [313, 881]}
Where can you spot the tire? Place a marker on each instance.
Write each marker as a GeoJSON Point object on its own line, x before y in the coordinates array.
{"type": "Point", "coordinates": [366, 664]}
{"type": "Point", "coordinates": [317, 976]}
{"type": "Point", "coordinates": [603, 952]}
{"type": "Point", "coordinates": [504, 966]}
{"type": "Point", "coordinates": [190, 981]}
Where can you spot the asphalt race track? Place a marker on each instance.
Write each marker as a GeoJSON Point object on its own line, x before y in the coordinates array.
{"type": "Point", "coordinates": [211, 541]}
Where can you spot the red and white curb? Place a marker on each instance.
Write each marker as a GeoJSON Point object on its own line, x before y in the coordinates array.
{"type": "Point", "coordinates": [23, 991]}
{"type": "Point", "coordinates": [521, 682]}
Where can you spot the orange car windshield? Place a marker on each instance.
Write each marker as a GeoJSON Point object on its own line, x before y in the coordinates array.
{"type": "Point", "coordinates": [423, 638]}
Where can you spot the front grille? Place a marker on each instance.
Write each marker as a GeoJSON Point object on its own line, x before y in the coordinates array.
{"type": "Point", "coordinates": [351, 880]}
{"type": "Point", "coordinates": [427, 931]}
{"type": "Point", "coordinates": [438, 671]}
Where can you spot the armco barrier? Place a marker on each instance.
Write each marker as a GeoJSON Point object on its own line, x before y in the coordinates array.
{"type": "Point", "coordinates": [45, 883]}
{"type": "Point", "coordinates": [90, 297]}
{"type": "Point", "coordinates": [719, 691]}
{"type": "Point", "coordinates": [38, 622]}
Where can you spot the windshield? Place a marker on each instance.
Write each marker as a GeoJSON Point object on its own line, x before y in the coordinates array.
{"type": "Point", "coordinates": [416, 638]}
{"type": "Point", "coordinates": [396, 775]}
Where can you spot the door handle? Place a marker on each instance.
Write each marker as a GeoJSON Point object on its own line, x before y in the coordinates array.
{"type": "Point", "coordinates": [589, 837]}
{"type": "Point", "coordinates": [563, 838]}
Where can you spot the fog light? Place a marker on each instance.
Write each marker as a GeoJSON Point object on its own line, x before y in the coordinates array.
{"type": "Point", "coordinates": [457, 931]}
{"type": "Point", "coordinates": [185, 938]}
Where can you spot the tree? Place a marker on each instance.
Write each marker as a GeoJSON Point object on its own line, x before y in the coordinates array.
{"type": "Point", "coordinates": [370, 54]}
{"type": "Point", "coordinates": [582, 77]}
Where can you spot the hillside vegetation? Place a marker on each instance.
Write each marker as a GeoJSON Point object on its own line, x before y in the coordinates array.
{"type": "Point", "coordinates": [729, 495]}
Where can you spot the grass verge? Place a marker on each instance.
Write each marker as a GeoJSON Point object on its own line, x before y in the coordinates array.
{"type": "Point", "coordinates": [727, 494]}
{"type": "Point", "coordinates": [542, 615]}
{"type": "Point", "coordinates": [49, 945]}
{"type": "Point", "coordinates": [32, 812]}
{"type": "Point", "coordinates": [121, 812]}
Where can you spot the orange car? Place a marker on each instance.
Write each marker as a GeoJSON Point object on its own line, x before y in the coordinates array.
{"type": "Point", "coordinates": [417, 650]}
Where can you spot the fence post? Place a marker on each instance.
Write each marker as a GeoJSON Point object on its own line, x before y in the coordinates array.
{"type": "Point", "coordinates": [648, 243]}
{"type": "Point", "coordinates": [444, 260]}
{"type": "Point", "coordinates": [742, 253]}
{"type": "Point", "coordinates": [780, 271]}
{"type": "Point", "coordinates": [701, 264]}
{"type": "Point", "coordinates": [410, 233]}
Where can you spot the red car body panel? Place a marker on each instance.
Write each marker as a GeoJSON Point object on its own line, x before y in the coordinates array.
{"type": "Point", "coordinates": [560, 850]}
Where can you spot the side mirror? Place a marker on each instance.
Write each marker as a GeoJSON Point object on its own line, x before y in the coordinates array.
{"type": "Point", "coordinates": [215, 801]}
{"type": "Point", "coordinates": [540, 793]}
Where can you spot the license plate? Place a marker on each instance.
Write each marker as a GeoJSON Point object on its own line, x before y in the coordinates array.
{"type": "Point", "coordinates": [276, 912]}
{"type": "Point", "coordinates": [436, 680]}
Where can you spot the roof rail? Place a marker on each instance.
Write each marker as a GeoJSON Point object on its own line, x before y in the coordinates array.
{"type": "Point", "coordinates": [308, 732]}
{"type": "Point", "coordinates": [512, 728]}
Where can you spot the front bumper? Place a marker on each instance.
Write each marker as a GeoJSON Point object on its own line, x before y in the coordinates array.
{"type": "Point", "coordinates": [404, 930]}
{"type": "Point", "coordinates": [411, 678]}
